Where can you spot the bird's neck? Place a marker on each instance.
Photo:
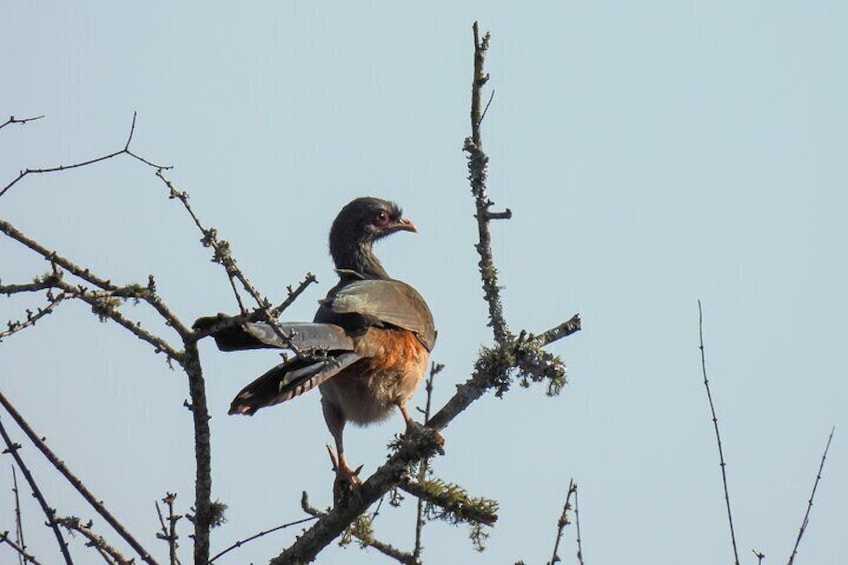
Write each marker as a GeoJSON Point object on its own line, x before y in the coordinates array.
{"type": "Point", "coordinates": [360, 258]}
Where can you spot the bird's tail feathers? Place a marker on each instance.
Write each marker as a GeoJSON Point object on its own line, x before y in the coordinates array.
{"type": "Point", "coordinates": [287, 380]}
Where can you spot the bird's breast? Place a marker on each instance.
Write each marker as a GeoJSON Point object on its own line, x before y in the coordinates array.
{"type": "Point", "coordinates": [394, 362]}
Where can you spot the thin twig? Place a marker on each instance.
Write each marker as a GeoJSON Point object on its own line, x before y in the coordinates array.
{"type": "Point", "coordinates": [577, 523]}
{"type": "Point", "coordinates": [21, 121]}
{"type": "Point", "coordinates": [19, 524]}
{"type": "Point", "coordinates": [718, 436]}
{"type": "Point", "coordinates": [12, 448]}
{"type": "Point", "coordinates": [22, 554]}
{"type": "Point", "coordinates": [805, 522]}
{"type": "Point", "coordinates": [32, 317]}
{"type": "Point", "coordinates": [563, 521]}
{"type": "Point", "coordinates": [57, 463]}
{"type": "Point", "coordinates": [222, 254]}
{"type": "Point", "coordinates": [101, 305]}
{"type": "Point", "coordinates": [146, 294]}
{"type": "Point", "coordinates": [760, 556]}
{"type": "Point", "coordinates": [424, 465]}
{"type": "Point", "coordinates": [169, 531]}
{"type": "Point", "coordinates": [59, 168]}
{"type": "Point", "coordinates": [293, 294]}
{"type": "Point", "coordinates": [95, 540]}
{"type": "Point", "coordinates": [258, 535]}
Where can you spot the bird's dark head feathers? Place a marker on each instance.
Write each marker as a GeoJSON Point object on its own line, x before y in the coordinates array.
{"type": "Point", "coordinates": [359, 224]}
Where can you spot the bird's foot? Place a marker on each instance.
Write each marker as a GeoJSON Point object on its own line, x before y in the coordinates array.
{"type": "Point", "coordinates": [343, 471]}
{"type": "Point", "coordinates": [413, 427]}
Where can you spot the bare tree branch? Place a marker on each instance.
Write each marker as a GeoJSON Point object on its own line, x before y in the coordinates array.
{"type": "Point", "coordinates": [95, 540]}
{"type": "Point", "coordinates": [22, 554]}
{"type": "Point", "coordinates": [563, 521]}
{"type": "Point", "coordinates": [59, 168]}
{"type": "Point", "coordinates": [21, 121]}
{"type": "Point", "coordinates": [50, 513]}
{"type": "Point", "coordinates": [360, 529]}
{"type": "Point", "coordinates": [805, 522]}
{"type": "Point", "coordinates": [718, 436]}
{"type": "Point", "coordinates": [577, 523]}
{"type": "Point", "coordinates": [424, 465]}
{"type": "Point", "coordinates": [258, 535]}
{"type": "Point", "coordinates": [15, 326]}
{"type": "Point", "coordinates": [60, 466]}
{"type": "Point", "coordinates": [147, 294]}
{"type": "Point", "coordinates": [477, 165]}
{"type": "Point", "coordinates": [169, 530]}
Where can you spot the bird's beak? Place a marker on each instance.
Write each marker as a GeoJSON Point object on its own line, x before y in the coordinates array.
{"type": "Point", "coordinates": [404, 224]}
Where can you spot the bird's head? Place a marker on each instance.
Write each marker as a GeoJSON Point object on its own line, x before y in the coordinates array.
{"type": "Point", "coordinates": [359, 224]}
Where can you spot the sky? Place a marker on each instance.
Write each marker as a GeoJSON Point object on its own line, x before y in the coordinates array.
{"type": "Point", "coordinates": [653, 154]}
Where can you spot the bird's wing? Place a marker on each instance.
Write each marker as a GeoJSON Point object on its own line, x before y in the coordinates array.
{"type": "Point", "coordinates": [385, 300]}
{"type": "Point", "coordinates": [307, 337]}
{"type": "Point", "coordinates": [289, 379]}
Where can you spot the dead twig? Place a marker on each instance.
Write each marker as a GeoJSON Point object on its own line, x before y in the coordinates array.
{"type": "Point", "coordinates": [258, 535]}
{"type": "Point", "coordinates": [563, 521]}
{"type": "Point", "coordinates": [20, 121]}
{"type": "Point", "coordinates": [124, 151]}
{"type": "Point", "coordinates": [806, 521]}
{"type": "Point", "coordinates": [718, 436]}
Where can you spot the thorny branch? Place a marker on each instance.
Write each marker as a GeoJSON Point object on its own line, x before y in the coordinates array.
{"type": "Point", "coordinates": [577, 523]}
{"type": "Point", "coordinates": [224, 257]}
{"type": "Point", "coordinates": [563, 521]}
{"type": "Point", "coordinates": [806, 519]}
{"type": "Point", "coordinates": [718, 436]}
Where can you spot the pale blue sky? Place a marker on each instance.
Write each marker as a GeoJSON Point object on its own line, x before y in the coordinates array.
{"type": "Point", "coordinates": [653, 153]}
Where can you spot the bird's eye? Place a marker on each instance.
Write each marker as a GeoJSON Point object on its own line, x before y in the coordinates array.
{"type": "Point", "coordinates": [382, 217]}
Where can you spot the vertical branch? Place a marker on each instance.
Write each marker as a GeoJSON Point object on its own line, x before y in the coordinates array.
{"type": "Point", "coordinates": [806, 520]}
{"type": "Point", "coordinates": [169, 531]}
{"type": "Point", "coordinates": [19, 523]}
{"type": "Point", "coordinates": [477, 165]}
{"type": "Point", "coordinates": [718, 436]}
{"type": "Point", "coordinates": [202, 453]}
{"type": "Point", "coordinates": [424, 465]}
{"type": "Point", "coordinates": [563, 521]}
{"type": "Point", "coordinates": [577, 523]}
{"type": "Point", "coordinates": [12, 449]}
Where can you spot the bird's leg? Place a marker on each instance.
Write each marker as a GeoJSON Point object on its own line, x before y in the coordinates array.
{"type": "Point", "coordinates": [336, 424]}
{"type": "Point", "coordinates": [411, 425]}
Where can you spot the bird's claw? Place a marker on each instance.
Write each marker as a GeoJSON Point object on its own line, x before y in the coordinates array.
{"type": "Point", "coordinates": [343, 470]}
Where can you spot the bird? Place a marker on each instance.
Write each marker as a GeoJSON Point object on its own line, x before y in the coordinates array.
{"type": "Point", "coordinates": [367, 348]}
